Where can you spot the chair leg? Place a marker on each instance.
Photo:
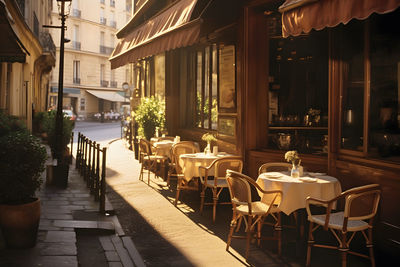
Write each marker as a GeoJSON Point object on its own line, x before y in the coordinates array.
{"type": "Point", "coordinates": [278, 228]}
{"type": "Point", "coordinates": [141, 173]}
{"type": "Point", "coordinates": [370, 247]}
{"type": "Point", "coordinates": [202, 196]}
{"type": "Point", "coordinates": [343, 249]}
{"type": "Point", "coordinates": [310, 244]}
{"type": "Point", "coordinates": [231, 229]}
{"type": "Point", "coordinates": [178, 189]}
{"type": "Point", "coordinates": [248, 235]}
{"type": "Point", "coordinates": [215, 201]}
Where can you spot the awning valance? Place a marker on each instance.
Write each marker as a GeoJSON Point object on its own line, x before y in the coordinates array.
{"type": "Point", "coordinates": [301, 16]}
{"type": "Point", "coordinates": [10, 45]}
{"type": "Point", "coordinates": [108, 95]}
{"type": "Point", "coordinates": [170, 29]}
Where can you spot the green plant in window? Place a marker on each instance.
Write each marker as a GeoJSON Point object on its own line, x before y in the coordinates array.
{"type": "Point", "coordinates": [150, 114]}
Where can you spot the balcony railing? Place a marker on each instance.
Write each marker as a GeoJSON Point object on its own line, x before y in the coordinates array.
{"type": "Point", "coordinates": [76, 45]}
{"type": "Point", "coordinates": [103, 83]}
{"type": "Point", "coordinates": [103, 21]}
{"type": "Point", "coordinates": [47, 42]}
{"type": "Point", "coordinates": [113, 24]}
{"type": "Point", "coordinates": [76, 13]}
{"type": "Point", "coordinates": [77, 80]}
{"type": "Point", "coordinates": [102, 2]}
{"type": "Point", "coordinates": [112, 3]}
{"type": "Point", "coordinates": [106, 50]}
{"type": "Point", "coordinates": [113, 84]}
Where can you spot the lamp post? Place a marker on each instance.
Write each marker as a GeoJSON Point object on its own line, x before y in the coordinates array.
{"type": "Point", "coordinates": [63, 12]}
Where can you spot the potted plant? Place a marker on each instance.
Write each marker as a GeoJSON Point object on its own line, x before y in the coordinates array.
{"type": "Point", "coordinates": [22, 159]}
{"type": "Point", "coordinates": [150, 114]}
{"type": "Point", "coordinates": [58, 174]}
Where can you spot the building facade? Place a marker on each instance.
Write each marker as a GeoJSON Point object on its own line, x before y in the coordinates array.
{"type": "Point", "coordinates": [27, 55]}
{"type": "Point", "coordinates": [90, 86]}
{"type": "Point", "coordinates": [268, 76]}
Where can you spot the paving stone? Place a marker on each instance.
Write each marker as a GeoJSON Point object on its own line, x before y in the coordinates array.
{"type": "Point", "coordinates": [106, 225]}
{"type": "Point", "coordinates": [115, 264]}
{"type": "Point", "coordinates": [106, 243]}
{"type": "Point", "coordinates": [112, 255]}
{"type": "Point", "coordinates": [55, 203]}
{"type": "Point", "coordinates": [82, 202]}
{"type": "Point", "coordinates": [76, 224]}
{"type": "Point", "coordinates": [49, 228]}
{"type": "Point", "coordinates": [73, 207]}
{"type": "Point", "coordinates": [59, 261]}
{"type": "Point", "coordinates": [122, 253]}
{"type": "Point", "coordinates": [56, 236]}
{"type": "Point", "coordinates": [58, 210]}
{"type": "Point", "coordinates": [57, 249]}
{"type": "Point", "coordinates": [82, 195]}
{"type": "Point", "coordinates": [58, 216]}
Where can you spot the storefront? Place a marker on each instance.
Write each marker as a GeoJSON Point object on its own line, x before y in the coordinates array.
{"type": "Point", "coordinates": [329, 88]}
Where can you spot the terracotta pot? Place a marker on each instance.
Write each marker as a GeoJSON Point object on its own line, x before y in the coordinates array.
{"type": "Point", "coordinates": [20, 223]}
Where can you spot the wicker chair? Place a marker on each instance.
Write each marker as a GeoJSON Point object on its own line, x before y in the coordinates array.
{"type": "Point", "coordinates": [274, 166]}
{"type": "Point", "coordinates": [360, 204]}
{"type": "Point", "coordinates": [252, 212]}
{"type": "Point", "coordinates": [148, 159]}
{"type": "Point", "coordinates": [216, 180]}
{"type": "Point", "coordinates": [184, 147]}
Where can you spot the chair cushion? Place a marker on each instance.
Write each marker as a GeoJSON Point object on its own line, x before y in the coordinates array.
{"type": "Point", "coordinates": [336, 222]}
{"type": "Point", "coordinates": [257, 208]}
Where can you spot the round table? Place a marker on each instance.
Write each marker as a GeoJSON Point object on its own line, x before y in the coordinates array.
{"type": "Point", "coordinates": [296, 190]}
{"type": "Point", "coordinates": [190, 163]}
{"type": "Point", "coordinates": [163, 148]}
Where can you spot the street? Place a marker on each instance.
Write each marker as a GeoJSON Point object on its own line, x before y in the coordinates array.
{"type": "Point", "coordinates": [102, 133]}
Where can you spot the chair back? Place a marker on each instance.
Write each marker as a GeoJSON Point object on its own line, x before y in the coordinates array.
{"type": "Point", "coordinates": [171, 138]}
{"type": "Point", "coordinates": [220, 166]}
{"type": "Point", "coordinates": [145, 147]}
{"type": "Point", "coordinates": [184, 147]}
{"type": "Point", "coordinates": [239, 188]}
{"type": "Point", "coordinates": [274, 167]}
{"type": "Point", "coordinates": [361, 203]}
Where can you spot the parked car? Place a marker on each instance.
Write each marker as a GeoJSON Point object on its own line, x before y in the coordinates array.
{"type": "Point", "coordinates": [68, 113]}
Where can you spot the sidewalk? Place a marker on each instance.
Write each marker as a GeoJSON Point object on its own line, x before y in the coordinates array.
{"type": "Point", "coordinates": [73, 233]}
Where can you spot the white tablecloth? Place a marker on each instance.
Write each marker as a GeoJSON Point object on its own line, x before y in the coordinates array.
{"type": "Point", "coordinates": [296, 190]}
{"type": "Point", "coordinates": [190, 163]}
{"type": "Point", "coordinates": [163, 148]}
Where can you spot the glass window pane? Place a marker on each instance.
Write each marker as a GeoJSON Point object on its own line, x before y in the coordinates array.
{"type": "Point", "coordinates": [199, 85]}
{"type": "Point", "coordinates": [352, 52]}
{"type": "Point", "coordinates": [384, 134]}
{"type": "Point", "coordinates": [207, 87]}
{"type": "Point", "coordinates": [214, 89]}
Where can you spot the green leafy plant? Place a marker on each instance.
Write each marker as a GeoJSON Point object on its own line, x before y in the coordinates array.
{"type": "Point", "coordinates": [49, 125]}
{"type": "Point", "coordinates": [150, 114]}
{"type": "Point", "coordinates": [22, 159]}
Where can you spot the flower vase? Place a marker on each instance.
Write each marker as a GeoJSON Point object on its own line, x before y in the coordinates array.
{"type": "Point", "coordinates": [207, 150]}
{"type": "Point", "coordinates": [295, 172]}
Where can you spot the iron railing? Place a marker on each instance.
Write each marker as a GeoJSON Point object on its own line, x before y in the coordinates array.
{"type": "Point", "coordinates": [77, 80]}
{"type": "Point", "coordinates": [104, 83]}
{"type": "Point", "coordinates": [103, 20]}
{"type": "Point", "coordinates": [76, 45]}
{"type": "Point", "coordinates": [91, 164]}
{"type": "Point", "coordinates": [113, 84]}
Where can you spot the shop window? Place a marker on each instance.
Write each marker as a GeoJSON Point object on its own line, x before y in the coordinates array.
{"type": "Point", "coordinates": [206, 87]}
{"type": "Point", "coordinates": [371, 87]}
{"type": "Point", "coordinates": [298, 93]}
{"type": "Point", "coordinates": [82, 104]}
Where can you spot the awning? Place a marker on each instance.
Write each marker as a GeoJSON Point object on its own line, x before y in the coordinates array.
{"type": "Point", "coordinates": [108, 95]}
{"type": "Point", "coordinates": [170, 29]}
{"type": "Point", "coordinates": [301, 16]}
{"type": "Point", "coordinates": [10, 45]}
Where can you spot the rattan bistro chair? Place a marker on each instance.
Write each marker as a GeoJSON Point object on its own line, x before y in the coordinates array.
{"type": "Point", "coordinates": [274, 166]}
{"type": "Point", "coordinates": [244, 208]}
{"type": "Point", "coordinates": [184, 147]}
{"type": "Point", "coordinates": [148, 159]}
{"type": "Point", "coordinates": [216, 180]}
{"type": "Point", "coordinates": [360, 207]}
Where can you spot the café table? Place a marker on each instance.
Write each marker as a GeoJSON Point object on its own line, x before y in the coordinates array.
{"type": "Point", "coordinates": [163, 148]}
{"type": "Point", "coordinates": [296, 190]}
{"type": "Point", "coordinates": [190, 163]}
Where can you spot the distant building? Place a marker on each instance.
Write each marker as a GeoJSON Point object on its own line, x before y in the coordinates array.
{"type": "Point", "coordinates": [27, 55]}
{"type": "Point", "coordinates": [90, 86]}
